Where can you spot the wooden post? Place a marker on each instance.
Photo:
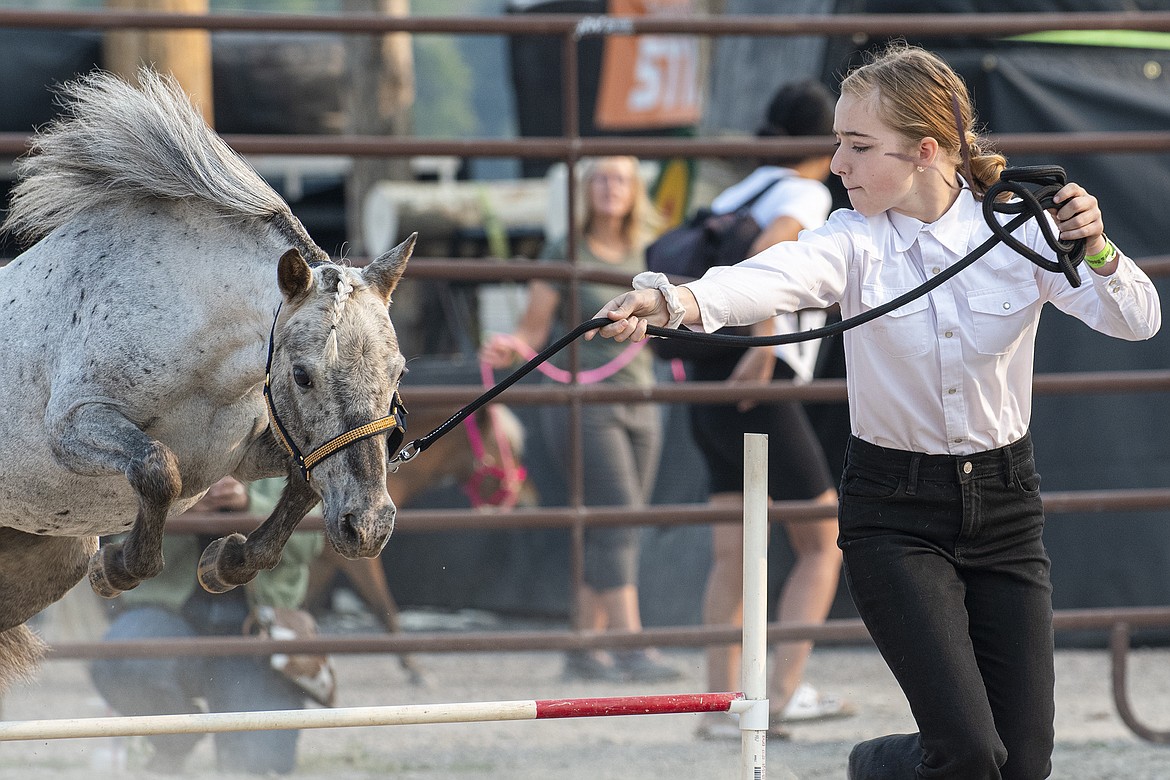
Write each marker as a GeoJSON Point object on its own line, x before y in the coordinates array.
{"type": "Point", "coordinates": [380, 98]}
{"type": "Point", "coordinates": [186, 54]}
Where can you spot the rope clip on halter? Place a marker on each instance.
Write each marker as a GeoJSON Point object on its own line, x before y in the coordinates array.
{"type": "Point", "coordinates": [394, 422]}
{"type": "Point", "coordinates": [405, 455]}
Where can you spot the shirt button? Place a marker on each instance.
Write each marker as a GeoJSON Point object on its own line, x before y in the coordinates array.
{"type": "Point", "coordinates": [1006, 305]}
{"type": "Point", "coordinates": [948, 334]}
{"type": "Point", "coordinates": [967, 467]}
{"type": "Point", "coordinates": [958, 441]}
{"type": "Point", "coordinates": [935, 270]}
{"type": "Point", "coordinates": [952, 391]}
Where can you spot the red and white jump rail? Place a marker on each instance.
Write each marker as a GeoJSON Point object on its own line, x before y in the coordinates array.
{"type": "Point", "coordinates": [394, 715]}
{"type": "Point", "coordinates": [751, 705]}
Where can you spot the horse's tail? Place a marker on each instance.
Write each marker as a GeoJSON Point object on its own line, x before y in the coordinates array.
{"type": "Point", "coordinates": [113, 142]}
{"type": "Point", "coordinates": [20, 652]}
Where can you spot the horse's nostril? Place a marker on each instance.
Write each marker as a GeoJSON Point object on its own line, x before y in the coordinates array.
{"type": "Point", "coordinates": [349, 531]}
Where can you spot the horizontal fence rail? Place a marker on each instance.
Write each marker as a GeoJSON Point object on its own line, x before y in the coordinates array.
{"type": "Point", "coordinates": [535, 147]}
{"type": "Point", "coordinates": [579, 26]}
{"type": "Point", "coordinates": [837, 631]}
{"type": "Point", "coordinates": [430, 521]}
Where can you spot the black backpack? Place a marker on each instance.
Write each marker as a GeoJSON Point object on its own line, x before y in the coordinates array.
{"type": "Point", "coordinates": [686, 252]}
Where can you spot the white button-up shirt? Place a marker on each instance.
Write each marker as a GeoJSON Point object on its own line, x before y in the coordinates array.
{"type": "Point", "coordinates": [950, 372]}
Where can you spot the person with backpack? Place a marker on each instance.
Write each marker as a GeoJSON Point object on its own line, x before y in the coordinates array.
{"type": "Point", "coordinates": [940, 517]}
{"type": "Point", "coordinates": [781, 197]}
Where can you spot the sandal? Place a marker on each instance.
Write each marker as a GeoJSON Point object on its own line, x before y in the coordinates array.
{"type": "Point", "coordinates": [807, 705]}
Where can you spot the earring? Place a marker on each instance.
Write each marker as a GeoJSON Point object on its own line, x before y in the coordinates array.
{"type": "Point", "coordinates": [919, 168]}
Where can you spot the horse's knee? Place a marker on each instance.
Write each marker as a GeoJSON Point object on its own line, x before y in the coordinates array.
{"type": "Point", "coordinates": [155, 477]}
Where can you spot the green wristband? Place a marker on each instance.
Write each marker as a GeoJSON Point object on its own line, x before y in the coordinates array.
{"type": "Point", "coordinates": [1102, 258]}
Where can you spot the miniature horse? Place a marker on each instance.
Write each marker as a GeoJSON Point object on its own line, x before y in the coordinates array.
{"type": "Point", "coordinates": [174, 323]}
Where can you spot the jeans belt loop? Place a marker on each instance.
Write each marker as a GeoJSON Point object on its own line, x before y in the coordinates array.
{"type": "Point", "coordinates": [1009, 457]}
{"type": "Point", "coordinates": [912, 476]}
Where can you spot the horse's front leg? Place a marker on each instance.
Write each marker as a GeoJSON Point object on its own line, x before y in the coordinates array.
{"type": "Point", "coordinates": [97, 440]}
{"type": "Point", "coordinates": [234, 560]}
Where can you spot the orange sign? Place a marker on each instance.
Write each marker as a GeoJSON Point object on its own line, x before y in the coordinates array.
{"type": "Point", "coordinates": [648, 81]}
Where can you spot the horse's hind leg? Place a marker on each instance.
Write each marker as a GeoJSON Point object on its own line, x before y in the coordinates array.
{"type": "Point", "coordinates": [35, 571]}
{"type": "Point", "coordinates": [97, 440]}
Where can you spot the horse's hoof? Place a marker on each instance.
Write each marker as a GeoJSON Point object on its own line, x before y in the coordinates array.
{"type": "Point", "coordinates": [104, 569]}
{"type": "Point", "coordinates": [210, 564]}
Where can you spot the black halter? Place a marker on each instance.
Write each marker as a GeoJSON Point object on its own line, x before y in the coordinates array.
{"type": "Point", "coordinates": [394, 422]}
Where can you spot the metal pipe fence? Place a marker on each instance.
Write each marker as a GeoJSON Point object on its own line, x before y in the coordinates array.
{"type": "Point", "coordinates": [571, 147]}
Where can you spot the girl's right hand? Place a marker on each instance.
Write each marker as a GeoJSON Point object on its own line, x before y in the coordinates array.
{"type": "Point", "coordinates": [631, 313]}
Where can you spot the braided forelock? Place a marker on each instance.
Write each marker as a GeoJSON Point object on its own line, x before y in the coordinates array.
{"type": "Point", "coordinates": [347, 281]}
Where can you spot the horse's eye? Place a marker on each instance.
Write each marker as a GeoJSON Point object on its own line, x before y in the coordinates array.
{"type": "Point", "coordinates": [301, 377]}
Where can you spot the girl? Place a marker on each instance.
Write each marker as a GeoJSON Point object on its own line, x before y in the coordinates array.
{"type": "Point", "coordinates": [940, 520]}
{"type": "Point", "coordinates": [616, 227]}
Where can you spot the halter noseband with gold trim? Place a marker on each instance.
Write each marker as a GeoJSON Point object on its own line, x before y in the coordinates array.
{"type": "Point", "coordinates": [394, 422]}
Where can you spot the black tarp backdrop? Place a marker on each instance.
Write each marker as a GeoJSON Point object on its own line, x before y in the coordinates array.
{"type": "Point", "coordinates": [1083, 442]}
{"type": "Point", "coordinates": [1114, 440]}
{"type": "Point", "coordinates": [34, 60]}
{"type": "Point", "coordinates": [1096, 441]}
{"type": "Point", "coordinates": [537, 77]}
{"type": "Point", "coordinates": [264, 83]}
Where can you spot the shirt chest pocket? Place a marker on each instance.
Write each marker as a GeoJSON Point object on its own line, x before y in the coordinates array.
{"type": "Point", "coordinates": [1001, 316]}
{"type": "Point", "coordinates": [903, 332]}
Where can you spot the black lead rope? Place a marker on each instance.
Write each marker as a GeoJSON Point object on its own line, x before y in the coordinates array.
{"type": "Point", "coordinates": [1046, 181]}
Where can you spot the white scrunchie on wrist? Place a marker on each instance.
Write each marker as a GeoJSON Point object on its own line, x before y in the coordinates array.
{"type": "Point", "coordinates": [650, 280]}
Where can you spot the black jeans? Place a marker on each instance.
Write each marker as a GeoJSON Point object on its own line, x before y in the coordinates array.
{"type": "Point", "coordinates": [945, 560]}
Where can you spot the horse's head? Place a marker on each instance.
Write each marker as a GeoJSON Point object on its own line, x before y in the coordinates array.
{"type": "Point", "coordinates": [335, 370]}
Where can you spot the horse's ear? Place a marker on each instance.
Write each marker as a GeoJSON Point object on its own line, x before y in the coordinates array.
{"type": "Point", "coordinates": [294, 274]}
{"type": "Point", "coordinates": [383, 274]}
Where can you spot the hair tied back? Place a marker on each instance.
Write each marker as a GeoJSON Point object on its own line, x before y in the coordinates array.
{"type": "Point", "coordinates": [964, 148]}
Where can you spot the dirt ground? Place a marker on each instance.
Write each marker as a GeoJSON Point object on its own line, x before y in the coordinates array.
{"type": "Point", "coordinates": [1092, 742]}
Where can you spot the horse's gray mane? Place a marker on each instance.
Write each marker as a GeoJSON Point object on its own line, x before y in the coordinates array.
{"type": "Point", "coordinates": [114, 142]}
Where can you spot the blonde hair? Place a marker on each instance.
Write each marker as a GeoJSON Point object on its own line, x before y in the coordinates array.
{"type": "Point", "coordinates": [643, 220]}
{"type": "Point", "coordinates": [919, 95]}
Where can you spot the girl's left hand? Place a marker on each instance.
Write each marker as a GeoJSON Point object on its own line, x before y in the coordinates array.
{"type": "Point", "coordinates": [1079, 216]}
